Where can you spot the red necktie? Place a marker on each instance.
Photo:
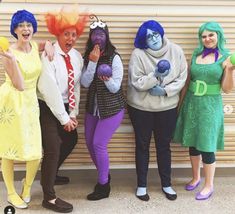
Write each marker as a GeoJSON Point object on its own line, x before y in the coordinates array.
{"type": "Point", "coordinates": [70, 82]}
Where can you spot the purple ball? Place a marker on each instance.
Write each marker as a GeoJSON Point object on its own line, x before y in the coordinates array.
{"type": "Point", "coordinates": [163, 65]}
{"type": "Point", "coordinates": [104, 70]}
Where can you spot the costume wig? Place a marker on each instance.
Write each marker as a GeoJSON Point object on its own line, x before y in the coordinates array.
{"type": "Point", "coordinates": [66, 18]}
{"type": "Point", "coordinates": [22, 16]}
{"type": "Point", "coordinates": [109, 47]}
{"type": "Point", "coordinates": [140, 39]}
{"type": "Point", "coordinates": [213, 27]}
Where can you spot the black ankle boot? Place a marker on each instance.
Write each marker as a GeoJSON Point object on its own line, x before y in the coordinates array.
{"type": "Point", "coordinates": [101, 191]}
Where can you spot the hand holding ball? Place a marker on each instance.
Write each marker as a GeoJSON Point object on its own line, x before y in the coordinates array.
{"type": "Point", "coordinates": [232, 58]}
{"type": "Point", "coordinates": [162, 69]}
{"type": "Point", "coordinates": [163, 65]}
{"type": "Point", "coordinates": [4, 43]}
{"type": "Point", "coordinates": [104, 70]}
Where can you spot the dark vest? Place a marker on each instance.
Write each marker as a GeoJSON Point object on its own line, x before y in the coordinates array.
{"type": "Point", "coordinates": [108, 103]}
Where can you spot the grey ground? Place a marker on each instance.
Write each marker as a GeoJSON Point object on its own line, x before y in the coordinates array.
{"type": "Point", "coordinates": [122, 199]}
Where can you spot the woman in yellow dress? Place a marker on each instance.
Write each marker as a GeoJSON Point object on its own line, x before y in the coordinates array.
{"type": "Point", "coordinates": [20, 134]}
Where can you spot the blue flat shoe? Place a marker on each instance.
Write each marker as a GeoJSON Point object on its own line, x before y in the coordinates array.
{"type": "Point", "coordinates": [199, 196]}
{"type": "Point", "coordinates": [190, 187]}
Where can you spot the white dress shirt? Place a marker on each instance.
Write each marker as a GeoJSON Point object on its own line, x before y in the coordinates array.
{"type": "Point", "coordinates": [53, 83]}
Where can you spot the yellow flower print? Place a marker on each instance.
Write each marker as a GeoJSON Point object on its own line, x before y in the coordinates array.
{"type": "Point", "coordinates": [6, 115]}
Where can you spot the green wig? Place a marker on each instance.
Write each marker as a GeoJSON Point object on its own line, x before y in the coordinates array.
{"type": "Point", "coordinates": [214, 27]}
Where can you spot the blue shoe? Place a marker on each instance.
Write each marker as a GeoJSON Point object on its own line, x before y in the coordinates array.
{"type": "Point", "coordinates": [190, 187]}
{"type": "Point", "coordinates": [199, 196]}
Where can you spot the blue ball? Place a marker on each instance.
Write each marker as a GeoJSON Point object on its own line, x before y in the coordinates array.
{"type": "Point", "coordinates": [163, 65]}
{"type": "Point", "coordinates": [104, 70]}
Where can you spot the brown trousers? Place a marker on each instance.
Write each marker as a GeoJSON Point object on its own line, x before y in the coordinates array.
{"type": "Point", "coordinates": [57, 145]}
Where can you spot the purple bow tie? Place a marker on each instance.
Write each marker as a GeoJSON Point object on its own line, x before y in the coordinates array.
{"type": "Point", "coordinates": [208, 51]}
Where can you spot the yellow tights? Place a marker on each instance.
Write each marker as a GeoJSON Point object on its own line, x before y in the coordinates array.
{"type": "Point", "coordinates": [8, 177]}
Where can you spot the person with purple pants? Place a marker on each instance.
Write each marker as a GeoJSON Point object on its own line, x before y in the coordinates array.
{"type": "Point", "coordinates": [102, 75]}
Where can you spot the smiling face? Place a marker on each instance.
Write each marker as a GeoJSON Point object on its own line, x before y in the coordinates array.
{"type": "Point", "coordinates": [99, 37]}
{"type": "Point", "coordinates": [153, 40]}
{"type": "Point", "coordinates": [67, 39]}
{"type": "Point", "coordinates": [209, 39]}
{"type": "Point", "coordinates": [24, 31]}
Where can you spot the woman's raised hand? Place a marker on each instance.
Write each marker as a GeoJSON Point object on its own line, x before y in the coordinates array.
{"type": "Point", "coordinates": [95, 54]}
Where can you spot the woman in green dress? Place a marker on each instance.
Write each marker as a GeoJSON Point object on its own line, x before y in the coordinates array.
{"type": "Point", "coordinates": [200, 124]}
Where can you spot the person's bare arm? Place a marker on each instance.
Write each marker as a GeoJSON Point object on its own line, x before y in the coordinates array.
{"type": "Point", "coordinates": [12, 69]}
{"type": "Point", "coordinates": [227, 82]}
{"type": "Point", "coordinates": [48, 48]}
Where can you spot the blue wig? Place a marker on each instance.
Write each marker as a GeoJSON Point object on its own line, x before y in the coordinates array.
{"type": "Point", "coordinates": [22, 16]}
{"type": "Point", "coordinates": [140, 39]}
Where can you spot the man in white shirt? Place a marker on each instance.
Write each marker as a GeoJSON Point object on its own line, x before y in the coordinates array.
{"type": "Point", "coordinates": [59, 96]}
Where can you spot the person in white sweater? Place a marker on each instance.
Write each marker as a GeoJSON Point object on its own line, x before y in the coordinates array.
{"type": "Point", "coordinates": [152, 97]}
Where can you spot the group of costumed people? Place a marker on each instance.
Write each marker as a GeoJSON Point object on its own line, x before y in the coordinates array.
{"type": "Point", "coordinates": [176, 102]}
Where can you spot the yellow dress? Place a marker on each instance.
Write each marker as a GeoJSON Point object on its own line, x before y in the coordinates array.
{"type": "Point", "coordinates": [20, 133]}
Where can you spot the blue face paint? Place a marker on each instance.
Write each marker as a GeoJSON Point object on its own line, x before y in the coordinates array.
{"type": "Point", "coordinates": [153, 40]}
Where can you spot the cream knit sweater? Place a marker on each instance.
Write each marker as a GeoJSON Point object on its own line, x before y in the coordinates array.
{"type": "Point", "coordinates": [141, 77]}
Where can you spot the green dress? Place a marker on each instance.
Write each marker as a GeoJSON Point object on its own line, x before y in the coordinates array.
{"type": "Point", "coordinates": [20, 133]}
{"type": "Point", "coordinates": [200, 123]}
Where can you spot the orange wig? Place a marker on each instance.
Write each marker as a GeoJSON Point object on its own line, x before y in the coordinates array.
{"type": "Point", "coordinates": [67, 17]}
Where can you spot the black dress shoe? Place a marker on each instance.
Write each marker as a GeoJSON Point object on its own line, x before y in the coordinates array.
{"type": "Point", "coordinates": [143, 197]}
{"type": "Point", "coordinates": [169, 196]}
{"type": "Point", "coordinates": [101, 191]}
{"type": "Point", "coordinates": [60, 206]}
{"type": "Point", "coordinates": [61, 180]}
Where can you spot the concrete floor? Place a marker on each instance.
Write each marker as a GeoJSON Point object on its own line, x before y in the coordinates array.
{"type": "Point", "coordinates": [122, 199]}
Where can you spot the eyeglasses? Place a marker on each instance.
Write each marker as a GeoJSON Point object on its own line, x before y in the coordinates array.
{"type": "Point", "coordinates": [96, 24]}
{"type": "Point", "coordinates": [24, 24]}
{"type": "Point", "coordinates": [150, 37]}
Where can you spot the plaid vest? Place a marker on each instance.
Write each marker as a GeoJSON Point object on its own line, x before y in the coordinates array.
{"type": "Point", "coordinates": [108, 103]}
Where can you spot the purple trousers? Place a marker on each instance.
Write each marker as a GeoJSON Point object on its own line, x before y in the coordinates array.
{"type": "Point", "coordinates": [98, 133]}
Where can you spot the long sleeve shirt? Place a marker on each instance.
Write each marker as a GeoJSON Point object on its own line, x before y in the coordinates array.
{"type": "Point", "coordinates": [141, 77]}
{"type": "Point", "coordinates": [114, 82]}
{"type": "Point", "coordinates": [53, 83]}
